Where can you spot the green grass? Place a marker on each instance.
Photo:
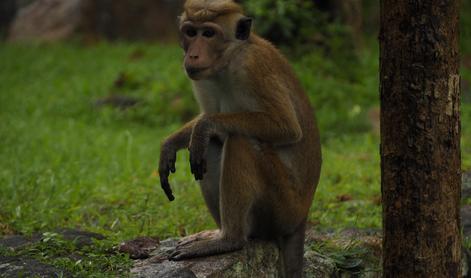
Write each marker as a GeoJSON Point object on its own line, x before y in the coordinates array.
{"type": "Point", "coordinates": [66, 163]}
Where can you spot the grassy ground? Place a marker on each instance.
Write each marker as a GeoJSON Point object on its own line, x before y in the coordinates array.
{"type": "Point", "coordinates": [66, 163]}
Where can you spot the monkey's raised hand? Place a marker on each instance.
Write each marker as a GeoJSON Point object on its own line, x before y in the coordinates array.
{"type": "Point", "coordinates": [166, 165]}
{"type": "Point", "coordinates": [198, 147]}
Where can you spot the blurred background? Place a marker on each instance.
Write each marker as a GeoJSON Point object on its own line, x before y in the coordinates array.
{"type": "Point", "coordinates": [89, 89]}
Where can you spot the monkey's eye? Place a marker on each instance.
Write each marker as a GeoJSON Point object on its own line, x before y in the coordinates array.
{"type": "Point", "coordinates": [191, 32]}
{"type": "Point", "coordinates": [209, 33]}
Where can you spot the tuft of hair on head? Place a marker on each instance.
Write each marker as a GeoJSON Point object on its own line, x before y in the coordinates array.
{"type": "Point", "coordinates": [207, 10]}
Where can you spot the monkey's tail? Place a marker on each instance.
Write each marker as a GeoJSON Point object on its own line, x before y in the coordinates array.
{"type": "Point", "coordinates": [292, 252]}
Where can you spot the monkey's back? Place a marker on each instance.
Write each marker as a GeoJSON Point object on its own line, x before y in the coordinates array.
{"type": "Point", "coordinates": [303, 157]}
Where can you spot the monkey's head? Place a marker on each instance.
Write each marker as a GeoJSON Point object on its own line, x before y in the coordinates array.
{"type": "Point", "coordinates": [211, 30]}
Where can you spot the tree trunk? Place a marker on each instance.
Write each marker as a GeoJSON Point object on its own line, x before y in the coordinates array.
{"type": "Point", "coordinates": [420, 138]}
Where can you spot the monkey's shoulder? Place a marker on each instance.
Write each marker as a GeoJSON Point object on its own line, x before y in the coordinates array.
{"type": "Point", "coordinates": [264, 63]}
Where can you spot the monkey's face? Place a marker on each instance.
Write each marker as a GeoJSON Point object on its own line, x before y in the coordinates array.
{"type": "Point", "coordinates": [206, 44]}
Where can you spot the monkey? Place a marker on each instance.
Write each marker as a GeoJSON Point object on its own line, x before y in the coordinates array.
{"type": "Point", "coordinates": [255, 147]}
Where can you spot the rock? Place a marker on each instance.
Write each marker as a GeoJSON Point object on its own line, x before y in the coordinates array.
{"type": "Point", "coordinates": [316, 265]}
{"type": "Point", "coordinates": [18, 241]}
{"type": "Point", "coordinates": [139, 248]}
{"type": "Point", "coordinates": [258, 259]}
{"type": "Point", "coordinates": [80, 238]}
{"type": "Point", "coordinates": [52, 20]}
{"type": "Point", "coordinates": [26, 267]}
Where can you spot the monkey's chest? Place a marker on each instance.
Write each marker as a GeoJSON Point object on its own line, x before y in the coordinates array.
{"type": "Point", "coordinates": [222, 100]}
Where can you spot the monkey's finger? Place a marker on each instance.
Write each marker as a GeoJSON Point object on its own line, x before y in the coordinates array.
{"type": "Point", "coordinates": [166, 188]}
{"type": "Point", "coordinates": [197, 176]}
{"type": "Point", "coordinates": [195, 173]}
{"type": "Point", "coordinates": [192, 163]}
{"type": "Point", "coordinates": [169, 193]}
{"type": "Point", "coordinates": [205, 166]}
{"type": "Point", "coordinates": [202, 169]}
{"type": "Point", "coordinates": [199, 171]}
{"type": "Point", "coordinates": [170, 196]}
{"type": "Point", "coordinates": [163, 171]}
{"type": "Point", "coordinates": [194, 167]}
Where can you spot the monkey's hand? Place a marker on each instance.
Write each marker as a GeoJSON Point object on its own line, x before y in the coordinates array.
{"type": "Point", "coordinates": [168, 156]}
{"type": "Point", "coordinates": [198, 147]}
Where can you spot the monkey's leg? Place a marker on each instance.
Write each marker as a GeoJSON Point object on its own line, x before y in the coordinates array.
{"type": "Point", "coordinates": [289, 203]}
{"type": "Point", "coordinates": [210, 189]}
{"type": "Point", "coordinates": [238, 188]}
{"type": "Point", "coordinates": [292, 249]}
{"type": "Point", "coordinates": [210, 183]}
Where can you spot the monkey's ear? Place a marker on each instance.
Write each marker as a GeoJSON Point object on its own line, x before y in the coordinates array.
{"type": "Point", "coordinates": [243, 28]}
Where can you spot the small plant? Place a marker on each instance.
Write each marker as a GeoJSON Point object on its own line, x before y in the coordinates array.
{"type": "Point", "coordinates": [352, 258]}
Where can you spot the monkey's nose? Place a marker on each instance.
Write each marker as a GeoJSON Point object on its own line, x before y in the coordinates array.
{"type": "Point", "coordinates": [194, 57]}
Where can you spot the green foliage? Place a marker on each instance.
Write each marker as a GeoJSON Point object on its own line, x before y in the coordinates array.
{"type": "Point", "coordinates": [284, 20]}
{"type": "Point", "coordinates": [298, 25]}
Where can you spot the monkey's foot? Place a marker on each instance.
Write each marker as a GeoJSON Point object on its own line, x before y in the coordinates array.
{"type": "Point", "coordinates": [212, 234]}
{"type": "Point", "coordinates": [204, 248]}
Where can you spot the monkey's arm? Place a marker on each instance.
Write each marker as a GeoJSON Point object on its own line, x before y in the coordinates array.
{"type": "Point", "coordinates": [266, 127]}
{"type": "Point", "coordinates": [181, 138]}
{"type": "Point", "coordinates": [276, 125]}
{"type": "Point", "coordinates": [275, 121]}
{"type": "Point", "coordinates": [168, 154]}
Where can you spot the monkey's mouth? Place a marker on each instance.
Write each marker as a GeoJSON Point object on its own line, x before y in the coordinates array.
{"type": "Point", "coordinates": [195, 73]}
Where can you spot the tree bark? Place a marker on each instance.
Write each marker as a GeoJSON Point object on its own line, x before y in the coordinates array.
{"type": "Point", "coordinates": [420, 138]}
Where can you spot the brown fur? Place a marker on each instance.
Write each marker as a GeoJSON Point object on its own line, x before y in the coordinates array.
{"type": "Point", "coordinates": [208, 10]}
{"type": "Point", "coordinates": [255, 147]}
